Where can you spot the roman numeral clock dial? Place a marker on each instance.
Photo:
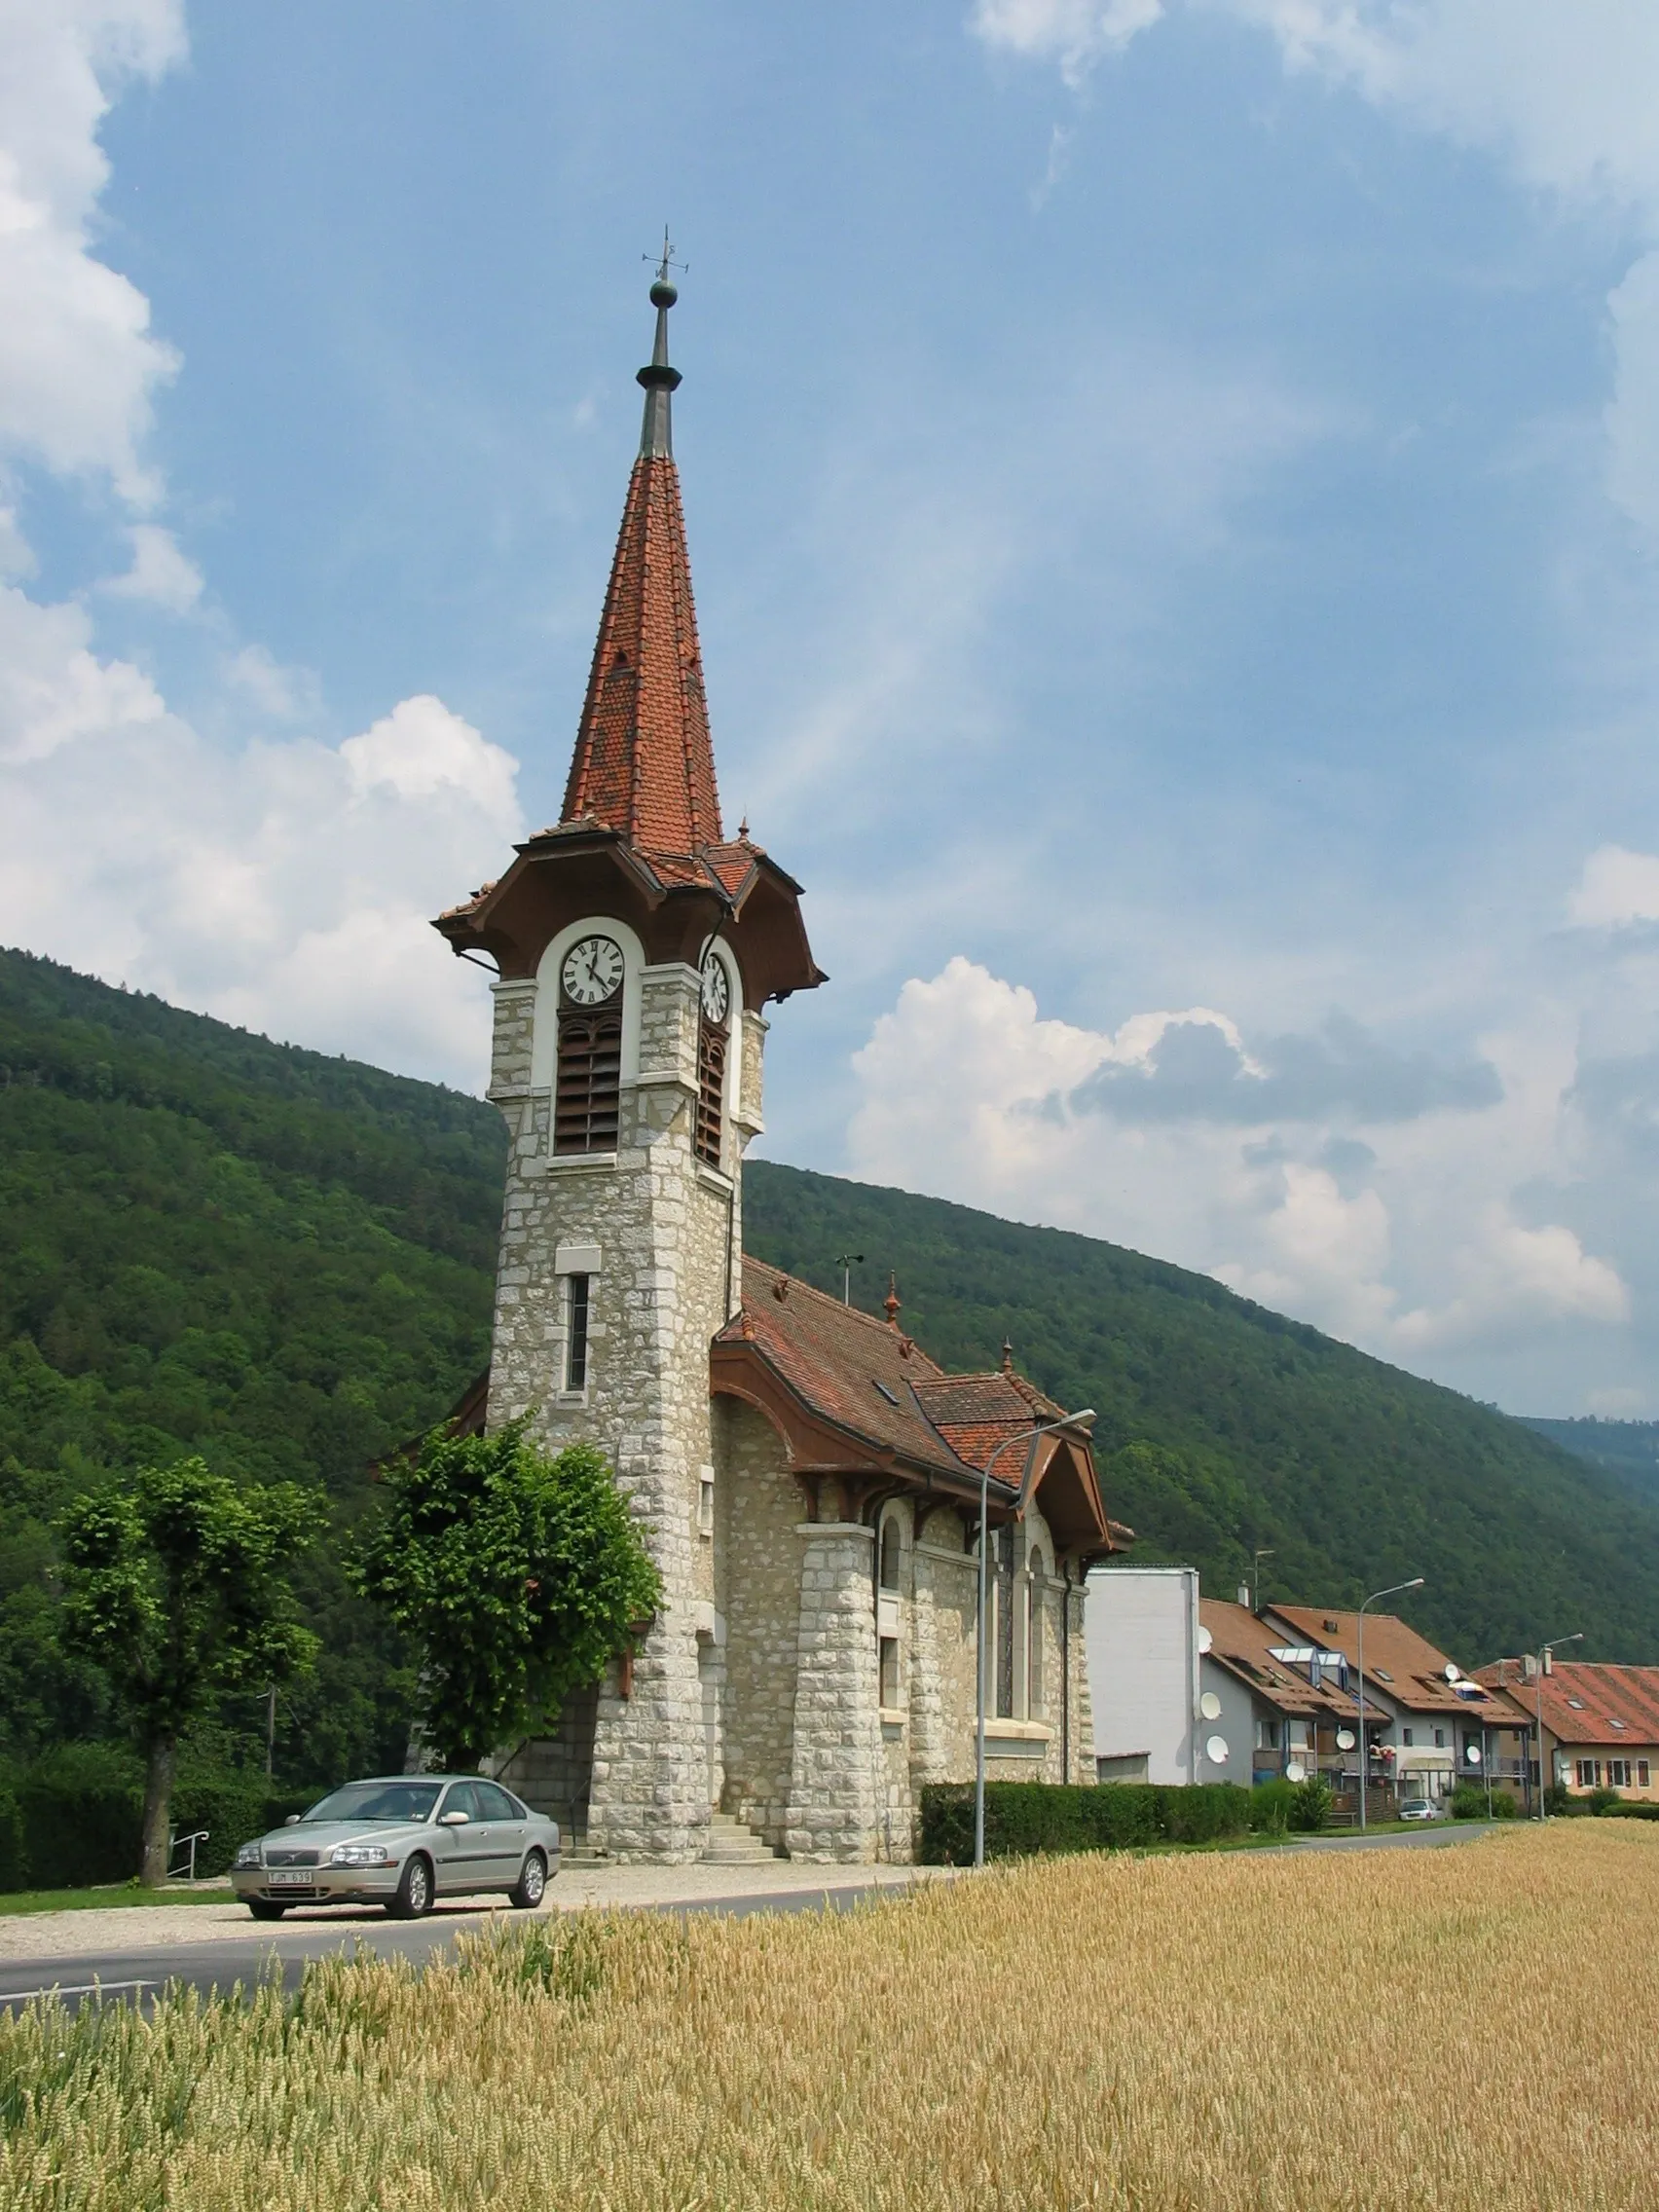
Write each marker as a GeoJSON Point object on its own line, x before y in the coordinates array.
{"type": "Point", "coordinates": [592, 971]}
{"type": "Point", "coordinates": [716, 991]}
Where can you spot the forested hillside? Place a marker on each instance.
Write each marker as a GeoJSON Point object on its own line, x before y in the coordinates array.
{"type": "Point", "coordinates": [210, 1242]}
{"type": "Point", "coordinates": [1628, 1449]}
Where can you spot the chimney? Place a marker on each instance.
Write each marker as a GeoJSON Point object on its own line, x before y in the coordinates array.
{"type": "Point", "coordinates": [1244, 1596]}
{"type": "Point", "coordinates": [1529, 1667]}
{"type": "Point", "coordinates": [1549, 1661]}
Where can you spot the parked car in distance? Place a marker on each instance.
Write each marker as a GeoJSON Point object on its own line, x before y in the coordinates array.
{"type": "Point", "coordinates": [1419, 1809]}
{"type": "Point", "coordinates": [401, 1841]}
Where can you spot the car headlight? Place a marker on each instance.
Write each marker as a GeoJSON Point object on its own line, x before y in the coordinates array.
{"type": "Point", "coordinates": [357, 1855]}
{"type": "Point", "coordinates": [248, 1855]}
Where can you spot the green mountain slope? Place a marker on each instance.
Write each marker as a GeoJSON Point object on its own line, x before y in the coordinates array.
{"type": "Point", "coordinates": [1224, 1427]}
{"type": "Point", "coordinates": [216, 1243]}
{"type": "Point", "coordinates": [1628, 1449]}
{"type": "Point", "coordinates": [210, 1243]}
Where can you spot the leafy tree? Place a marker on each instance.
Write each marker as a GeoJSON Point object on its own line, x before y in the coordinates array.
{"type": "Point", "coordinates": [175, 1586]}
{"type": "Point", "coordinates": [516, 1577]}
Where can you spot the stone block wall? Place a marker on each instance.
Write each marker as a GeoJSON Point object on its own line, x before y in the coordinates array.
{"type": "Point", "coordinates": [758, 1553]}
{"type": "Point", "coordinates": [837, 1748]}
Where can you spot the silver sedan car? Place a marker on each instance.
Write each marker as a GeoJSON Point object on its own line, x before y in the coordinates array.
{"type": "Point", "coordinates": [401, 1842]}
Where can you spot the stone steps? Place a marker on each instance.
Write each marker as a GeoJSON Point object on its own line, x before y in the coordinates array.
{"type": "Point", "coordinates": [732, 1843]}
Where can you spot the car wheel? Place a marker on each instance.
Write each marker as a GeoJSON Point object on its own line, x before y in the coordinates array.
{"type": "Point", "coordinates": [414, 1896]}
{"type": "Point", "coordinates": [531, 1885]}
{"type": "Point", "coordinates": [263, 1910]}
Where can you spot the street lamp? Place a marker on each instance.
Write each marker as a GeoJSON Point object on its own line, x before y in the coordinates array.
{"type": "Point", "coordinates": [1025, 1436]}
{"type": "Point", "coordinates": [1393, 1591]}
{"type": "Point", "coordinates": [1544, 1650]}
{"type": "Point", "coordinates": [846, 1262]}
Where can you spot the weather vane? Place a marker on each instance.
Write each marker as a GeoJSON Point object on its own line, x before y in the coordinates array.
{"type": "Point", "coordinates": [668, 261]}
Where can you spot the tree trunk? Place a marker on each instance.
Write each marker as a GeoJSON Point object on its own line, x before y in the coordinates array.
{"type": "Point", "coordinates": [158, 1809]}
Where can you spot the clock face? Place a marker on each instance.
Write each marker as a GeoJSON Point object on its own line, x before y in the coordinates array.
{"type": "Point", "coordinates": [716, 991]}
{"type": "Point", "coordinates": [592, 971]}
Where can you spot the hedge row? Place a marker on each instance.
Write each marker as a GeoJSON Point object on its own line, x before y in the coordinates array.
{"type": "Point", "coordinates": [1026, 1816]}
{"type": "Point", "coordinates": [76, 1816]}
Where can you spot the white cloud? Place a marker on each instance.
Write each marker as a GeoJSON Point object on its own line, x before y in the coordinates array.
{"type": "Point", "coordinates": [1564, 95]}
{"type": "Point", "coordinates": [1075, 33]}
{"type": "Point", "coordinates": [1617, 886]}
{"type": "Point", "coordinates": [276, 690]}
{"type": "Point", "coordinates": [79, 366]}
{"type": "Point", "coordinates": [161, 574]}
{"type": "Point", "coordinates": [1408, 1242]}
{"type": "Point", "coordinates": [288, 887]}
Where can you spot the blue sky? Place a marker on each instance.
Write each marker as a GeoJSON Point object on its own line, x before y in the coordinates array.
{"type": "Point", "coordinates": [1174, 498]}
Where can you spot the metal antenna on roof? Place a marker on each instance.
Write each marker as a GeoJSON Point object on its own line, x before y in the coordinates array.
{"type": "Point", "coordinates": [846, 1262]}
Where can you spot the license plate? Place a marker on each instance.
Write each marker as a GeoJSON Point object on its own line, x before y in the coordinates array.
{"type": "Point", "coordinates": [290, 1878]}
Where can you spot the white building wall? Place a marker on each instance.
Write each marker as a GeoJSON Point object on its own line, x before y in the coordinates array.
{"type": "Point", "coordinates": [1141, 1634]}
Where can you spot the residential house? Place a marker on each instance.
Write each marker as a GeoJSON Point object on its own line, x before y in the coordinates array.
{"type": "Point", "coordinates": [1270, 1709]}
{"type": "Point", "coordinates": [1427, 1724]}
{"type": "Point", "coordinates": [1141, 1633]}
{"type": "Point", "coordinates": [1601, 1723]}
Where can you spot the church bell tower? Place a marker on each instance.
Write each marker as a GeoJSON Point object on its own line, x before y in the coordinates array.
{"type": "Point", "coordinates": [636, 947]}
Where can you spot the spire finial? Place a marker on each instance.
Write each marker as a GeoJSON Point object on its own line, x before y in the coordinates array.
{"type": "Point", "coordinates": [656, 433]}
{"type": "Point", "coordinates": [891, 1301]}
{"type": "Point", "coordinates": [1008, 1357]}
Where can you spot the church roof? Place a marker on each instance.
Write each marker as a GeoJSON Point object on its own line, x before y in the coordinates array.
{"type": "Point", "coordinates": [642, 813]}
{"type": "Point", "coordinates": [876, 1388]}
{"type": "Point", "coordinates": [644, 762]}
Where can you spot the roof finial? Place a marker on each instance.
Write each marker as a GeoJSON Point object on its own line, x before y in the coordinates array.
{"type": "Point", "coordinates": [1008, 1357]}
{"type": "Point", "coordinates": [656, 433]}
{"type": "Point", "coordinates": [891, 1301]}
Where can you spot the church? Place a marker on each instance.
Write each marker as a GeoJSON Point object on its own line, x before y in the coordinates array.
{"type": "Point", "coordinates": [806, 1478]}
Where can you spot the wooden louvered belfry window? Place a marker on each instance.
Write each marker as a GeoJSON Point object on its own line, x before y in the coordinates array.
{"type": "Point", "coordinates": [587, 1090]}
{"type": "Point", "coordinates": [590, 1079]}
{"type": "Point", "coordinates": [712, 1042]}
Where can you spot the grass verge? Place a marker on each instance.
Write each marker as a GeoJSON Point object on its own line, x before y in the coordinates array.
{"type": "Point", "coordinates": [104, 1899]}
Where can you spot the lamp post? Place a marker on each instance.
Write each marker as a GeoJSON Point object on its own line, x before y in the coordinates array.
{"type": "Point", "coordinates": [1544, 1650]}
{"type": "Point", "coordinates": [846, 1262]}
{"type": "Point", "coordinates": [1025, 1436]}
{"type": "Point", "coordinates": [1393, 1591]}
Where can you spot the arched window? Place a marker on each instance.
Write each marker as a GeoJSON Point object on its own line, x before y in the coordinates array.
{"type": "Point", "coordinates": [889, 1552]}
{"type": "Point", "coordinates": [1002, 1582]}
{"type": "Point", "coordinates": [587, 1088]}
{"type": "Point", "coordinates": [1034, 1638]}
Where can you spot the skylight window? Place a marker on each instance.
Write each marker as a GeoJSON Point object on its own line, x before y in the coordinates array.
{"type": "Point", "coordinates": [1382, 1675]}
{"type": "Point", "coordinates": [1576, 1703]}
{"type": "Point", "coordinates": [1613, 1723]}
{"type": "Point", "coordinates": [892, 1396]}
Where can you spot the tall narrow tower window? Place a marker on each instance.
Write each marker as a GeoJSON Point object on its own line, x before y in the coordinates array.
{"type": "Point", "coordinates": [588, 1089]}
{"type": "Point", "coordinates": [713, 1038]}
{"type": "Point", "coordinates": [576, 1333]}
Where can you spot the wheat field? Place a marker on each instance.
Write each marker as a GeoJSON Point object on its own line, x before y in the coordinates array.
{"type": "Point", "coordinates": [1468, 2028]}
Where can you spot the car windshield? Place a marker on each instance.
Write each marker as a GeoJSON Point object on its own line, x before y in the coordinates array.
{"type": "Point", "coordinates": [377, 1801]}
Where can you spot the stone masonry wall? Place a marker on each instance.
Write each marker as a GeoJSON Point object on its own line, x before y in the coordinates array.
{"type": "Point", "coordinates": [654, 1231]}
{"type": "Point", "coordinates": [759, 1557]}
{"type": "Point", "coordinates": [837, 1749]}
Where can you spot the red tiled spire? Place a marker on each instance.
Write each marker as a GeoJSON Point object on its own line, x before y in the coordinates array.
{"type": "Point", "coordinates": [644, 762]}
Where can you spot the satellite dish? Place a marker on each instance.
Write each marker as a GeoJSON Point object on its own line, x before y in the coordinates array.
{"type": "Point", "coordinates": [1473, 1754]}
{"type": "Point", "coordinates": [1209, 1705]}
{"type": "Point", "coordinates": [1296, 1771]}
{"type": "Point", "coordinates": [1345, 1739]}
{"type": "Point", "coordinates": [1215, 1751]}
{"type": "Point", "coordinates": [1451, 1673]}
{"type": "Point", "coordinates": [1205, 1639]}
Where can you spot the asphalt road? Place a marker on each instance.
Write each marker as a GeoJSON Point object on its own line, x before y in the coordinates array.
{"type": "Point", "coordinates": [135, 1976]}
